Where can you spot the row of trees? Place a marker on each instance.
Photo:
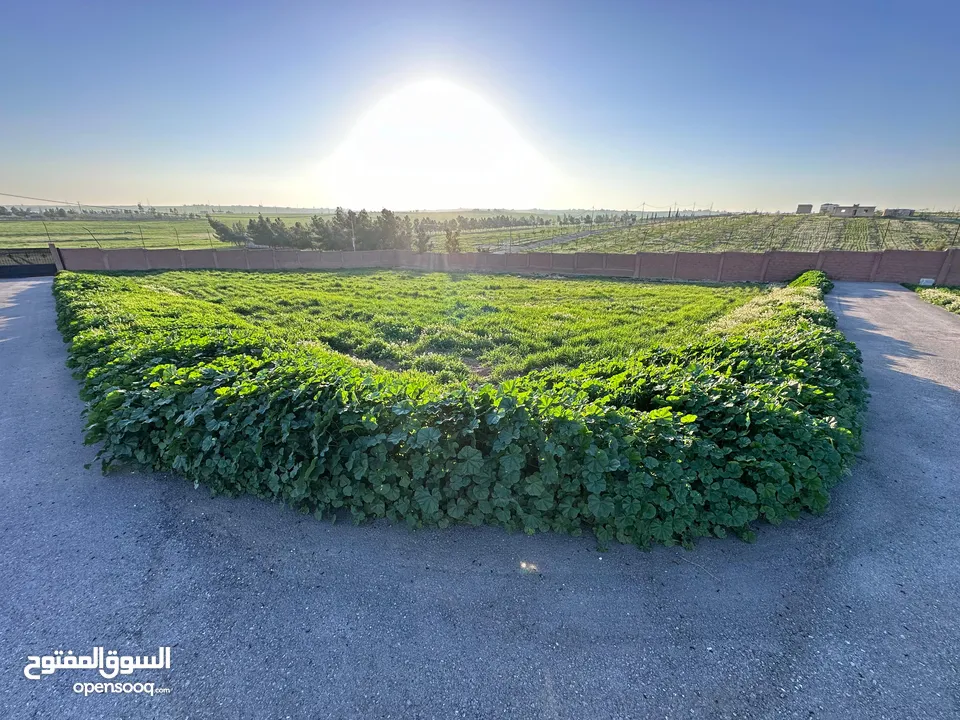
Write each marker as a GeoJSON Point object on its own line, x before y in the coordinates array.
{"type": "Point", "coordinates": [346, 230]}
{"type": "Point", "coordinates": [59, 213]}
{"type": "Point", "coordinates": [386, 230]}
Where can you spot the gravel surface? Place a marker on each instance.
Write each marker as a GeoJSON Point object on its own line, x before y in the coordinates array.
{"type": "Point", "coordinates": [272, 614]}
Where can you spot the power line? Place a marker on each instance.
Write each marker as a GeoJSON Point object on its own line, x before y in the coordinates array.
{"type": "Point", "coordinates": [60, 202]}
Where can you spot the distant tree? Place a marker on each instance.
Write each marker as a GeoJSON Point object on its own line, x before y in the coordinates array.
{"type": "Point", "coordinates": [234, 235]}
{"type": "Point", "coordinates": [422, 243]}
{"type": "Point", "coordinates": [452, 241]}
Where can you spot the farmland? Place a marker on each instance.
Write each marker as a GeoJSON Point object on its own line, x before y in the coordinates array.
{"type": "Point", "coordinates": [750, 232]}
{"type": "Point", "coordinates": [462, 326]}
{"type": "Point", "coordinates": [192, 234]}
{"type": "Point", "coordinates": [758, 233]}
{"type": "Point", "coordinates": [688, 411]}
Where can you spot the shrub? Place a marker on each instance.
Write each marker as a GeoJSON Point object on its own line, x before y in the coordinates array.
{"type": "Point", "coordinates": [813, 278]}
{"type": "Point", "coordinates": [945, 297]}
{"type": "Point", "coordinates": [757, 420]}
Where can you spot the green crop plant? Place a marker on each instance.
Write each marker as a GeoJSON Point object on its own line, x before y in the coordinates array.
{"type": "Point", "coordinates": [754, 414]}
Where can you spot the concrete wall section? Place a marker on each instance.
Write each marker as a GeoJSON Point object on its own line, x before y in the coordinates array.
{"type": "Point", "coordinates": [201, 259]}
{"type": "Point", "coordinates": [742, 266]}
{"type": "Point", "coordinates": [698, 266]}
{"type": "Point", "coordinates": [656, 265]}
{"type": "Point", "coordinates": [849, 265]}
{"type": "Point", "coordinates": [911, 265]}
{"type": "Point", "coordinates": [785, 266]}
{"type": "Point", "coordinates": [83, 259]}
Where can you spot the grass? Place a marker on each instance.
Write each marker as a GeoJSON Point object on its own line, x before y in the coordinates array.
{"type": "Point", "coordinates": [194, 234]}
{"type": "Point", "coordinates": [946, 297]}
{"type": "Point", "coordinates": [754, 233]}
{"type": "Point", "coordinates": [756, 417]}
{"type": "Point", "coordinates": [461, 326]}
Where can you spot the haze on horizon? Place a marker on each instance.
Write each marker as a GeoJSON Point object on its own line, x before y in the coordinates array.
{"type": "Point", "coordinates": [441, 105]}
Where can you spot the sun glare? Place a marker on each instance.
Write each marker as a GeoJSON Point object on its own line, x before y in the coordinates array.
{"type": "Point", "coordinates": [435, 145]}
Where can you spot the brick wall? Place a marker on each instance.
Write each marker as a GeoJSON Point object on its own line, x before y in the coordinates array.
{"type": "Point", "coordinates": [886, 266]}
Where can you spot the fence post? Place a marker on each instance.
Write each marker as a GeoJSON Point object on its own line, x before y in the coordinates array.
{"type": "Point", "coordinates": [766, 264]}
{"type": "Point", "coordinates": [216, 260]}
{"type": "Point", "coordinates": [105, 259]}
{"type": "Point", "coordinates": [57, 258]}
{"type": "Point", "coordinates": [945, 266]}
{"type": "Point", "coordinates": [676, 259]}
{"type": "Point", "coordinates": [820, 258]}
{"type": "Point", "coordinates": [723, 256]}
{"type": "Point", "coordinates": [636, 265]}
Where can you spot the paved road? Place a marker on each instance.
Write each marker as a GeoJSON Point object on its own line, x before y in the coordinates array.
{"type": "Point", "coordinates": [274, 615]}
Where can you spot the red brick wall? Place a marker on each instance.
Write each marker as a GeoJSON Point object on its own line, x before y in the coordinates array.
{"type": "Point", "coordinates": [785, 266]}
{"type": "Point", "coordinates": [742, 266]}
{"type": "Point", "coordinates": [697, 266]}
{"type": "Point", "coordinates": [887, 266]}
{"type": "Point", "coordinates": [656, 265]}
{"type": "Point", "coordinates": [849, 265]}
{"type": "Point", "coordinates": [909, 265]}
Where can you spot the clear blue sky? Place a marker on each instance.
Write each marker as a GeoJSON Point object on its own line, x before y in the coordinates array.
{"type": "Point", "coordinates": [742, 104]}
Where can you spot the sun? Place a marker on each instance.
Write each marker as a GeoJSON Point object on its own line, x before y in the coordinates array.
{"type": "Point", "coordinates": [435, 145]}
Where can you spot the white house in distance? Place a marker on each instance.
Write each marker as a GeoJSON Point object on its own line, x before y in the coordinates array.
{"type": "Point", "coordinates": [855, 210]}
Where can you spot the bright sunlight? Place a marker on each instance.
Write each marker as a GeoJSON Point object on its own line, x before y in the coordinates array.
{"type": "Point", "coordinates": [436, 145]}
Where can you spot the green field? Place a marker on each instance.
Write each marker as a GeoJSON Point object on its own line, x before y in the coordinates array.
{"type": "Point", "coordinates": [754, 233]}
{"type": "Point", "coordinates": [189, 234]}
{"type": "Point", "coordinates": [461, 326]}
{"type": "Point", "coordinates": [758, 233]}
{"type": "Point", "coordinates": [696, 411]}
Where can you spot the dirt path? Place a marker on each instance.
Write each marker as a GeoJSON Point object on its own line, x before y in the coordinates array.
{"type": "Point", "coordinates": [273, 614]}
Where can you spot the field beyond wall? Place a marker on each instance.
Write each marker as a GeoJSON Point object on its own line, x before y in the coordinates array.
{"type": "Point", "coordinates": [748, 232]}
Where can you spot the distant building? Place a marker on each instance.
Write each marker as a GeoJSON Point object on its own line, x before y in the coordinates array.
{"type": "Point", "coordinates": [804, 209]}
{"type": "Point", "coordinates": [848, 210]}
{"type": "Point", "coordinates": [898, 212]}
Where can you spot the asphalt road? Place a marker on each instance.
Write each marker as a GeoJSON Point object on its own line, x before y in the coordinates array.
{"type": "Point", "coordinates": [271, 614]}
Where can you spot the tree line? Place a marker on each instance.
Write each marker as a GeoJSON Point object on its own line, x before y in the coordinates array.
{"type": "Point", "coordinates": [351, 230]}
{"type": "Point", "coordinates": [346, 230]}
{"type": "Point", "coordinates": [386, 230]}
{"type": "Point", "coordinates": [59, 213]}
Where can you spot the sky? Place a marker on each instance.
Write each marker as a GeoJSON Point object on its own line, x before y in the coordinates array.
{"type": "Point", "coordinates": [432, 105]}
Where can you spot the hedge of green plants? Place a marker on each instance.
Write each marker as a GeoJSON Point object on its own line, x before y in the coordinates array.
{"type": "Point", "coordinates": [945, 296]}
{"type": "Point", "coordinates": [813, 278]}
{"type": "Point", "coordinates": [757, 420]}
